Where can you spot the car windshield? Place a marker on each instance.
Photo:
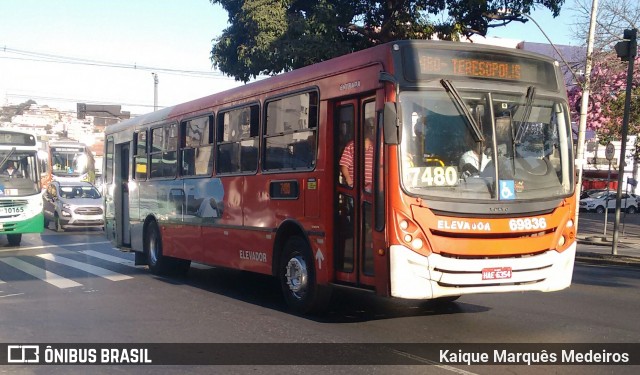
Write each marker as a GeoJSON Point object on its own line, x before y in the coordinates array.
{"type": "Point", "coordinates": [76, 192]}
{"type": "Point", "coordinates": [454, 146]}
{"type": "Point", "coordinates": [599, 194]}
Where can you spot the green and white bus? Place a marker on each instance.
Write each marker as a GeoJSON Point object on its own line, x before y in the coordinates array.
{"type": "Point", "coordinates": [20, 192]}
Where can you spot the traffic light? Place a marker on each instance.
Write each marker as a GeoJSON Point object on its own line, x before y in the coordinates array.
{"type": "Point", "coordinates": [82, 111]}
{"type": "Point", "coordinates": [628, 48]}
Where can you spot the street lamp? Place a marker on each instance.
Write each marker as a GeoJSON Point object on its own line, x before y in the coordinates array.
{"type": "Point", "coordinates": [509, 14]}
{"type": "Point", "coordinates": [155, 91]}
{"type": "Point", "coordinates": [586, 86]}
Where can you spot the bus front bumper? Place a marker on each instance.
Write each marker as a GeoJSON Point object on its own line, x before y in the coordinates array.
{"type": "Point", "coordinates": [33, 224]}
{"type": "Point", "coordinates": [414, 276]}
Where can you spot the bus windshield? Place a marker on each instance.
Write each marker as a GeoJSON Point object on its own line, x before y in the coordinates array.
{"type": "Point", "coordinates": [481, 145]}
{"type": "Point", "coordinates": [18, 176]}
{"type": "Point", "coordinates": [68, 162]}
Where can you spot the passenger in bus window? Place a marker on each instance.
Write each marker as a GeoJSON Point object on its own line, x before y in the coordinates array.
{"type": "Point", "coordinates": [11, 171]}
{"type": "Point", "coordinates": [346, 160]}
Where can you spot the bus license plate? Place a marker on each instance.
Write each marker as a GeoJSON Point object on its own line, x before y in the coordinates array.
{"type": "Point", "coordinates": [497, 273]}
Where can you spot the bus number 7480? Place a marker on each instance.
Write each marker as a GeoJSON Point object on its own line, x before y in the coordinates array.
{"type": "Point", "coordinates": [433, 176]}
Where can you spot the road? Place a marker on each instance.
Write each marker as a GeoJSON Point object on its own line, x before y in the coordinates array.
{"type": "Point", "coordinates": [129, 305]}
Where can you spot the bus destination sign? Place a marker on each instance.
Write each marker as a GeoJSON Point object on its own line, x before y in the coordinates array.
{"type": "Point", "coordinates": [471, 67]}
{"type": "Point", "coordinates": [442, 63]}
{"type": "Point", "coordinates": [10, 138]}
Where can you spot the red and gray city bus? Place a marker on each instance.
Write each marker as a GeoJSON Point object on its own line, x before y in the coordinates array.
{"type": "Point", "coordinates": [462, 176]}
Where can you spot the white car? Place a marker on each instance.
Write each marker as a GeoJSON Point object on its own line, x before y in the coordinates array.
{"type": "Point", "coordinates": [597, 202]}
{"type": "Point", "coordinates": [72, 205]}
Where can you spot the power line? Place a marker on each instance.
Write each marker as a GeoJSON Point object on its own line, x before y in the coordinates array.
{"type": "Point", "coordinates": [51, 58]}
{"type": "Point", "coordinates": [72, 100]}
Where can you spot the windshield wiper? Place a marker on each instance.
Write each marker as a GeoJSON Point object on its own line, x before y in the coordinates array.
{"type": "Point", "coordinates": [531, 93]}
{"type": "Point", "coordinates": [13, 149]}
{"type": "Point", "coordinates": [457, 99]}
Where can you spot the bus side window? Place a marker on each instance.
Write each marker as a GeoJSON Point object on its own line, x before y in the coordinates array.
{"type": "Point", "coordinates": [290, 132]}
{"type": "Point", "coordinates": [238, 140]}
{"type": "Point", "coordinates": [196, 146]}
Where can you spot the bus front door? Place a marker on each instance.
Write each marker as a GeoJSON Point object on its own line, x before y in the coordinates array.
{"type": "Point", "coordinates": [354, 128]}
{"type": "Point", "coordinates": [122, 186]}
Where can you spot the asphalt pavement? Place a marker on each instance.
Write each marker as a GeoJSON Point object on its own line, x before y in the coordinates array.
{"type": "Point", "coordinates": [597, 243]}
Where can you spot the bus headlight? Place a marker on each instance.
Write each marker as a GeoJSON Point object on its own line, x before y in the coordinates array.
{"type": "Point", "coordinates": [411, 234]}
{"type": "Point", "coordinates": [416, 244]}
{"type": "Point", "coordinates": [562, 241]}
{"type": "Point", "coordinates": [404, 225]}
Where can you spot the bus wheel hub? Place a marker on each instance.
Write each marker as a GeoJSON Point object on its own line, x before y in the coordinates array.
{"type": "Point", "coordinates": [296, 274]}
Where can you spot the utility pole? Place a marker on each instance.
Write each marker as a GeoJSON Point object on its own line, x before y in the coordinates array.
{"type": "Point", "coordinates": [155, 91]}
{"type": "Point", "coordinates": [584, 101]}
{"type": "Point", "coordinates": [626, 51]}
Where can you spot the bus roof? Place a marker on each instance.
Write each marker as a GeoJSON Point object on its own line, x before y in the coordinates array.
{"type": "Point", "coordinates": [380, 54]}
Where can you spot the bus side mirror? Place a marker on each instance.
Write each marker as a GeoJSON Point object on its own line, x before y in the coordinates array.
{"type": "Point", "coordinates": [391, 128]}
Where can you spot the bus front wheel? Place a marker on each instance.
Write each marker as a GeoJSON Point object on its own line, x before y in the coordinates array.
{"type": "Point", "coordinates": [14, 239]}
{"type": "Point", "coordinates": [160, 264]}
{"type": "Point", "coordinates": [298, 280]}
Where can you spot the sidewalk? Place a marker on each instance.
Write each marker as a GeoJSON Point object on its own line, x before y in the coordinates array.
{"type": "Point", "coordinates": [597, 246]}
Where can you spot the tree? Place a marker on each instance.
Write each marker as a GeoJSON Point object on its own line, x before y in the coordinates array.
{"type": "Point", "coordinates": [614, 112]}
{"type": "Point", "coordinates": [608, 77]}
{"type": "Point", "coordinates": [268, 37]}
{"type": "Point", "coordinates": [613, 16]}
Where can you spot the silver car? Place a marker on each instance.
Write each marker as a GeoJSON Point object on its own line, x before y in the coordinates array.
{"type": "Point", "coordinates": [73, 205]}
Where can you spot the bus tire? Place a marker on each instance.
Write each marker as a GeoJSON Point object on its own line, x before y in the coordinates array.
{"type": "Point", "coordinates": [14, 239]}
{"type": "Point", "coordinates": [153, 249]}
{"type": "Point", "coordinates": [298, 280]}
{"type": "Point", "coordinates": [158, 263]}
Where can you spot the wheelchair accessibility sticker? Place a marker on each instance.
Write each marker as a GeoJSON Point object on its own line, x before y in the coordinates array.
{"type": "Point", "coordinates": [507, 190]}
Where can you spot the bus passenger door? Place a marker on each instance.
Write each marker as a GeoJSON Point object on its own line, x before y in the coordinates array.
{"type": "Point", "coordinates": [122, 184]}
{"type": "Point", "coordinates": [354, 128]}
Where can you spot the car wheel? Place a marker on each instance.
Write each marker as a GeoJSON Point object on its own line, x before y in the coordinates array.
{"type": "Point", "coordinates": [298, 280]}
{"type": "Point", "coordinates": [631, 209]}
{"type": "Point", "coordinates": [14, 239]}
{"type": "Point", "coordinates": [600, 209]}
{"type": "Point", "coordinates": [58, 224]}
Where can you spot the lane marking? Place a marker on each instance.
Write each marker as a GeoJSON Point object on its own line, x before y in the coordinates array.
{"type": "Point", "coordinates": [50, 246]}
{"type": "Point", "coordinates": [42, 274]}
{"type": "Point", "coordinates": [12, 295]}
{"type": "Point", "coordinates": [110, 258]}
{"type": "Point", "coordinates": [433, 363]}
{"type": "Point", "coordinates": [89, 268]}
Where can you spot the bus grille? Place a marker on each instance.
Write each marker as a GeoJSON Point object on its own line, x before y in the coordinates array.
{"type": "Point", "coordinates": [12, 202]}
{"type": "Point", "coordinates": [88, 211]}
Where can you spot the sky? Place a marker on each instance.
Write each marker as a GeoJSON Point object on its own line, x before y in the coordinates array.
{"type": "Point", "coordinates": [172, 38]}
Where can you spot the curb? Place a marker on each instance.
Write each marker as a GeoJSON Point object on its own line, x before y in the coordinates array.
{"type": "Point", "coordinates": [598, 258]}
{"type": "Point", "coordinates": [599, 241]}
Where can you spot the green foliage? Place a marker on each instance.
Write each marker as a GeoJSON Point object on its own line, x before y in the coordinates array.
{"type": "Point", "coordinates": [268, 37]}
{"type": "Point", "coordinates": [615, 112]}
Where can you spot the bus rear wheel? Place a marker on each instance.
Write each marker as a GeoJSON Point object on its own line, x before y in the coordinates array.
{"type": "Point", "coordinates": [298, 280]}
{"type": "Point", "coordinates": [14, 239]}
{"type": "Point", "coordinates": [160, 264]}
